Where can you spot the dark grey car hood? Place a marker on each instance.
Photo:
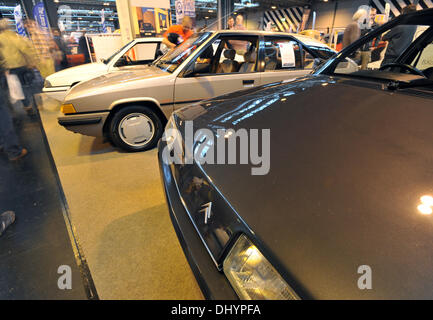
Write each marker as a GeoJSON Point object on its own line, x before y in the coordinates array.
{"type": "Point", "coordinates": [349, 163]}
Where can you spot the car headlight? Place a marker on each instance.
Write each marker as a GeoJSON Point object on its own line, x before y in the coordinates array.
{"type": "Point", "coordinates": [252, 276]}
{"type": "Point", "coordinates": [47, 84]}
{"type": "Point", "coordinates": [67, 108]}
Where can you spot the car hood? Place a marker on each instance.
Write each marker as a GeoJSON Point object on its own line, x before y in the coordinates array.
{"type": "Point", "coordinates": [348, 165]}
{"type": "Point", "coordinates": [115, 81]}
{"type": "Point", "coordinates": [78, 73]}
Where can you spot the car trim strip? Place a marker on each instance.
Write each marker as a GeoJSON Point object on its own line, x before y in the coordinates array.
{"type": "Point", "coordinates": [86, 112]}
{"type": "Point", "coordinates": [79, 122]}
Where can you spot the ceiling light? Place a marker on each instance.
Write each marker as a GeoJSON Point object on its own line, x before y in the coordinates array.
{"type": "Point", "coordinates": [273, 7]}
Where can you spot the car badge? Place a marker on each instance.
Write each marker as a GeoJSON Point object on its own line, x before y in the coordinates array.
{"type": "Point", "coordinates": [207, 209]}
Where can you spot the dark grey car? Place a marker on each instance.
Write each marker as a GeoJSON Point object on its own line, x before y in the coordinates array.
{"type": "Point", "coordinates": [345, 209]}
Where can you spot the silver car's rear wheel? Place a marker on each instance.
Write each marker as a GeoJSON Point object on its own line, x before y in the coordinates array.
{"type": "Point", "coordinates": [136, 129]}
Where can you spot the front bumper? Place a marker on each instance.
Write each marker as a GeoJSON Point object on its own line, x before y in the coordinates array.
{"type": "Point", "coordinates": [213, 283]}
{"type": "Point", "coordinates": [89, 124]}
{"type": "Point", "coordinates": [56, 93]}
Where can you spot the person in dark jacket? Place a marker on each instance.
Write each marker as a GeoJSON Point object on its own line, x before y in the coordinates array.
{"type": "Point", "coordinates": [399, 38]}
{"type": "Point", "coordinates": [63, 48]}
{"type": "Point", "coordinates": [83, 49]}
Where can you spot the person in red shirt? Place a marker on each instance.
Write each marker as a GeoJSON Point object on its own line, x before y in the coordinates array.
{"type": "Point", "coordinates": [184, 31]}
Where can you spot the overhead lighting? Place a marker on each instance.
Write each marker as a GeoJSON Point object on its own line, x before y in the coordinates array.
{"type": "Point", "coordinates": [210, 10]}
{"type": "Point", "coordinates": [79, 18]}
{"type": "Point", "coordinates": [206, 17]}
{"type": "Point", "coordinates": [273, 7]}
{"type": "Point", "coordinates": [106, 4]}
{"type": "Point", "coordinates": [426, 205]}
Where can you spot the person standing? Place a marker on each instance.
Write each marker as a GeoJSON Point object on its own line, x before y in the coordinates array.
{"type": "Point", "coordinates": [230, 23]}
{"type": "Point", "coordinates": [353, 30]}
{"type": "Point", "coordinates": [62, 49]}
{"type": "Point", "coordinates": [18, 55]}
{"type": "Point", "coordinates": [399, 38]}
{"type": "Point", "coordinates": [177, 34]}
{"type": "Point", "coordinates": [240, 22]}
{"type": "Point", "coordinates": [8, 138]}
{"type": "Point", "coordinates": [83, 48]}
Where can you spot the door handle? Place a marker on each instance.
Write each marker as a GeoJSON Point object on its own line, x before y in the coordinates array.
{"type": "Point", "coordinates": [245, 82]}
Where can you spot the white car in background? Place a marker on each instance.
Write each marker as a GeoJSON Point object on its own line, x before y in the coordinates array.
{"type": "Point", "coordinates": [138, 52]}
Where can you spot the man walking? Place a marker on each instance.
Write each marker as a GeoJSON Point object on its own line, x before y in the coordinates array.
{"type": "Point", "coordinates": [8, 138]}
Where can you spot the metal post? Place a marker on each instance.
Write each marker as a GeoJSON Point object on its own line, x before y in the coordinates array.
{"type": "Point", "coordinates": [219, 14]}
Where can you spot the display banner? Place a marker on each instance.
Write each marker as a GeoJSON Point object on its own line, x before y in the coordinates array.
{"type": "Point", "coordinates": [184, 8]}
{"type": "Point", "coordinates": [40, 16]}
{"type": "Point", "coordinates": [18, 15]}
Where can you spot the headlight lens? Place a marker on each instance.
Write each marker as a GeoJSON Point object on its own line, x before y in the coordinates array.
{"type": "Point", "coordinates": [67, 108]}
{"type": "Point", "coordinates": [47, 84]}
{"type": "Point", "coordinates": [252, 276]}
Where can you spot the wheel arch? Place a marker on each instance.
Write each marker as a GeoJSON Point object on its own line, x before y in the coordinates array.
{"type": "Point", "coordinates": [115, 107]}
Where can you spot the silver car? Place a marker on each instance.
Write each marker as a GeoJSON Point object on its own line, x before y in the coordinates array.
{"type": "Point", "coordinates": [131, 108]}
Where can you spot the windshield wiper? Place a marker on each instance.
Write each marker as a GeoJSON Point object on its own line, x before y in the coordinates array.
{"type": "Point", "coordinates": [397, 85]}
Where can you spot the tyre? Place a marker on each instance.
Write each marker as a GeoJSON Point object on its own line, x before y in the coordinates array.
{"type": "Point", "coordinates": [135, 128]}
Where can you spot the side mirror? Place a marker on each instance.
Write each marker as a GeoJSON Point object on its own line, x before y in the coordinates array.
{"type": "Point", "coordinates": [121, 62]}
{"type": "Point", "coordinates": [189, 73]}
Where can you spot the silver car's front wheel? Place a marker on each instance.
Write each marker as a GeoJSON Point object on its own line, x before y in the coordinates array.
{"type": "Point", "coordinates": [135, 128]}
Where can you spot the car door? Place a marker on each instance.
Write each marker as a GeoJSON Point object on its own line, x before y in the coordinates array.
{"type": "Point", "coordinates": [283, 59]}
{"type": "Point", "coordinates": [226, 64]}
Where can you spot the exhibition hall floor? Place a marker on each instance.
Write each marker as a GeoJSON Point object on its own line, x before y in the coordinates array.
{"type": "Point", "coordinates": [118, 211]}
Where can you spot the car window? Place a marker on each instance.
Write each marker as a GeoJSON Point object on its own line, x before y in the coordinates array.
{"type": "Point", "coordinates": [374, 55]}
{"type": "Point", "coordinates": [283, 54]}
{"type": "Point", "coordinates": [174, 58]}
{"type": "Point", "coordinates": [227, 54]}
{"type": "Point", "coordinates": [108, 60]}
{"type": "Point", "coordinates": [142, 52]}
{"type": "Point", "coordinates": [424, 59]}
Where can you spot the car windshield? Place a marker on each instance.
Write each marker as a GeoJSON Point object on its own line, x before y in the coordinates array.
{"type": "Point", "coordinates": [400, 51]}
{"type": "Point", "coordinates": [106, 61]}
{"type": "Point", "coordinates": [172, 59]}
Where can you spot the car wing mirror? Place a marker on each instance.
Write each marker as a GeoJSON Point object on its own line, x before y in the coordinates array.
{"type": "Point", "coordinates": [189, 73]}
{"type": "Point", "coordinates": [121, 62]}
